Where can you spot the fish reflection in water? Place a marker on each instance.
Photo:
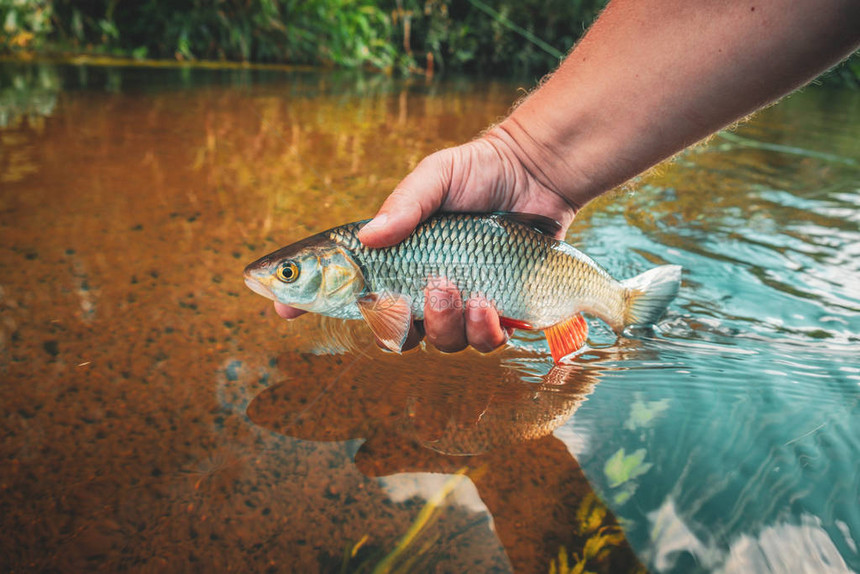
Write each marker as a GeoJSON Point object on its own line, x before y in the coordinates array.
{"type": "Point", "coordinates": [491, 417]}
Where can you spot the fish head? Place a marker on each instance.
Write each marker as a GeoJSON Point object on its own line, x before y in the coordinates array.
{"type": "Point", "coordinates": [315, 275]}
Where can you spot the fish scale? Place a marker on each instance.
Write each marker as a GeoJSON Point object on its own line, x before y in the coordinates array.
{"type": "Point", "coordinates": [533, 280]}
{"type": "Point", "coordinates": [524, 273]}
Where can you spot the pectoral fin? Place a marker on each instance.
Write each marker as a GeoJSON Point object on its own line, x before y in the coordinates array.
{"type": "Point", "coordinates": [566, 337]}
{"type": "Point", "coordinates": [389, 316]}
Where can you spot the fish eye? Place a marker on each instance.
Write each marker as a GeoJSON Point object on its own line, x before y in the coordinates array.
{"type": "Point", "coordinates": [288, 271]}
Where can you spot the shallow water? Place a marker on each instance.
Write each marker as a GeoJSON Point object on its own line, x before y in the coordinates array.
{"type": "Point", "coordinates": [155, 414]}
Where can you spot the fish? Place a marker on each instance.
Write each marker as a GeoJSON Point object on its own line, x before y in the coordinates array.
{"type": "Point", "coordinates": [512, 260]}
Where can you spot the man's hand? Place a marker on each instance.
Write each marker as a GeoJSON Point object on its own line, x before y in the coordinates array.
{"type": "Point", "coordinates": [481, 176]}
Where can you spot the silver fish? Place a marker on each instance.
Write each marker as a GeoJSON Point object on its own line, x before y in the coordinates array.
{"type": "Point", "coordinates": [512, 260]}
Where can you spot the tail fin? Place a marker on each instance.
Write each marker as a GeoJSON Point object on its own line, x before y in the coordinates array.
{"type": "Point", "coordinates": [647, 295]}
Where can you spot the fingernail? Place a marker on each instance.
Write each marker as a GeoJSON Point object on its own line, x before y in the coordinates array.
{"type": "Point", "coordinates": [376, 223]}
{"type": "Point", "coordinates": [476, 309]}
{"type": "Point", "coordinates": [440, 299]}
{"type": "Point", "coordinates": [473, 312]}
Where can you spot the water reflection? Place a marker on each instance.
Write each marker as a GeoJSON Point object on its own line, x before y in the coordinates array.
{"type": "Point", "coordinates": [437, 414]}
{"type": "Point", "coordinates": [27, 93]}
{"type": "Point", "coordinates": [130, 350]}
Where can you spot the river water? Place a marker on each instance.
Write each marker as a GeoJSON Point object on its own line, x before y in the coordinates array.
{"type": "Point", "coordinates": [156, 415]}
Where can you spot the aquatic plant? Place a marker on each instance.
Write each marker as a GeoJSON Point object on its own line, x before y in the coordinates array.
{"type": "Point", "coordinates": [601, 537]}
{"type": "Point", "coordinates": [397, 560]}
{"type": "Point", "coordinates": [621, 469]}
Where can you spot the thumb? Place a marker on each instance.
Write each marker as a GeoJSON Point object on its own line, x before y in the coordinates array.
{"type": "Point", "coordinates": [416, 198]}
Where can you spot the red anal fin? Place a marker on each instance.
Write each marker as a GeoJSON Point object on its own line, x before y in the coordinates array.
{"type": "Point", "coordinates": [389, 316]}
{"type": "Point", "coordinates": [566, 337]}
{"type": "Point", "coordinates": [515, 324]}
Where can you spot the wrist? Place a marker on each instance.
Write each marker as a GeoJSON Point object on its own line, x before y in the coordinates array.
{"type": "Point", "coordinates": [544, 159]}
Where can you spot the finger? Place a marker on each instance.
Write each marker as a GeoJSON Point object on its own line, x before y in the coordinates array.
{"type": "Point", "coordinates": [417, 197]}
{"type": "Point", "coordinates": [483, 330]}
{"type": "Point", "coordinates": [444, 322]}
{"type": "Point", "coordinates": [286, 311]}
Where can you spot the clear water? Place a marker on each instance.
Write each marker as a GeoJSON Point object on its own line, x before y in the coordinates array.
{"type": "Point", "coordinates": [155, 414]}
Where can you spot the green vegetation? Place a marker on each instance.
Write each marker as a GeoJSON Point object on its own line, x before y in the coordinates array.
{"type": "Point", "coordinates": [621, 469]}
{"type": "Point", "coordinates": [601, 538]}
{"type": "Point", "coordinates": [393, 35]}
{"type": "Point", "coordinates": [398, 36]}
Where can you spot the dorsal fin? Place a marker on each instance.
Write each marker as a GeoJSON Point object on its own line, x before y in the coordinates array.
{"type": "Point", "coordinates": [546, 225]}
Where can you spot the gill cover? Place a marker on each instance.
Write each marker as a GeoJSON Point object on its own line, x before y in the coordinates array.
{"type": "Point", "coordinates": [341, 280]}
{"type": "Point", "coordinates": [314, 274]}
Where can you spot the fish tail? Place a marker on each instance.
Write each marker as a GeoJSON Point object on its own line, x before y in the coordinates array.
{"type": "Point", "coordinates": [647, 295]}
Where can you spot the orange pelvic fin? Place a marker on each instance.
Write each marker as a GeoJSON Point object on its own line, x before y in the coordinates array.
{"type": "Point", "coordinates": [389, 316]}
{"type": "Point", "coordinates": [515, 324]}
{"type": "Point", "coordinates": [566, 337]}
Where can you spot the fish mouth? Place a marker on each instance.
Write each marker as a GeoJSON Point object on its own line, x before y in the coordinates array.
{"type": "Point", "coordinates": [257, 287]}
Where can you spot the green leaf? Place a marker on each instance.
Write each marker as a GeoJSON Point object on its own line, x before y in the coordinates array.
{"type": "Point", "coordinates": [624, 493]}
{"type": "Point", "coordinates": [621, 468]}
{"type": "Point", "coordinates": [642, 413]}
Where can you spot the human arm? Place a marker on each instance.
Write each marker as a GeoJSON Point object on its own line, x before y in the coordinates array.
{"type": "Point", "coordinates": [650, 78]}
